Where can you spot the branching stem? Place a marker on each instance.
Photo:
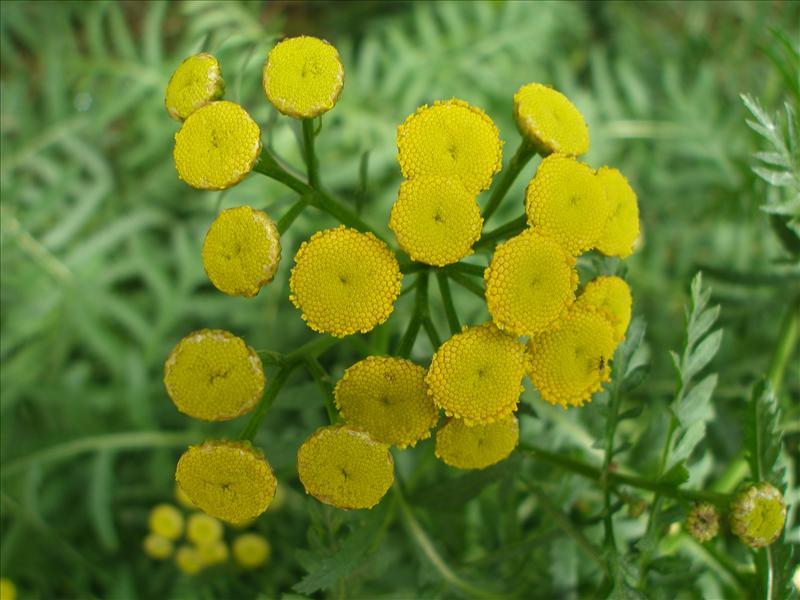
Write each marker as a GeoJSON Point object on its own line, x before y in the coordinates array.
{"type": "Point", "coordinates": [521, 157]}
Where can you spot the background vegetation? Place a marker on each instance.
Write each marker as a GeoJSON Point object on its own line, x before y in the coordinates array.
{"type": "Point", "coordinates": [101, 275]}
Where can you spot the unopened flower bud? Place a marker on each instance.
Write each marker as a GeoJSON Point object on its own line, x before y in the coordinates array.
{"type": "Point", "coordinates": [702, 522]}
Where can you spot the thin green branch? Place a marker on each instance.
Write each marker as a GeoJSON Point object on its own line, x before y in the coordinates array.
{"type": "Point", "coordinates": [418, 316]}
{"type": "Point", "coordinates": [312, 167]}
{"type": "Point", "coordinates": [466, 268]}
{"type": "Point", "coordinates": [521, 157]}
{"type": "Point", "coordinates": [790, 327]}
{"type": "Point", "coordinates": [447, 300]}
{"type": "Point", "coordinates": [467, 284]}
{"type": "Point", "coordinates": [507, 230]}
{"type": "Point", "coordinates": [274, 386]}
{"type": "Point", "coordinates": [294, 211]}
{"type": "Point", "coordinates": [430, 329]}
{"type": "Point", "coordinates": [323, 380]}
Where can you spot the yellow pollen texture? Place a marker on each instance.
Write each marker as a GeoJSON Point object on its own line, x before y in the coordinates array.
{"type": "Point", "coordinates": [479, 446]}
{"type": "Point", "coordinates": [549, 120]}
{"type": "Point", "coordinates": [477, 374]}
{"type": "Point", "coordinates": [303, 77]}
{"type": "Point", "coordinates": [612, 296]}
{"type": "Point", "coordinates": [344, 281]}
{"type": "Point", "coordinates": [565, 200]}
{"type": "Point", "coordinates": [387, 397]}
{"type": "Point", "coordinates": [213, 375]}
{"type": "Point", "coordinates": [241, 251]}
{"type": "Point", "coordinates": [530, 282]}
{"type": "Point", "coordinates": [450, 139]}
{"type": "Point", "coordinates": [622, 228]}
{"type": "Point", "coordinates": [217, 146]}
{"type": "Point", "coordinates": [436, 220]}
{"type": "Point", "coordinates": [195, 83]}
{"type": "Point", "coordinates": [345, 467]}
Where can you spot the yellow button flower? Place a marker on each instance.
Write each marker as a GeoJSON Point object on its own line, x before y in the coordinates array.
{"type": "Point", "coordinates": [565, 200]}
{"type": "Point", "coordinates": [387, 397]}
{"type": "Point", "coordinates": [571, 361]}
{"type": "Point", "coordinates": [217, 146]}
{"type": "Point", "coordinates": [166, 521]}
{"type": "Point", "coordinates": [228, 480]}
{"type": "Point", "coordinates": [251, 550]}
{"type": "Point", "coordinates": [303, 77]}
{"type": "Point", "coordinates": [196, 82]}
{"type": "Point", "coordinates": [212, 553]}
{"type": "Point", "coordinates": [549, 120]}
{"type": "Point", "coordinates": [530, 282]}
{"type": "Point", "coordinates": [156, 547]}
{"type": "Point", "coordinates": [241, 251]}
{"type": "Point", "coordinates": [213, 375]}
{"type": "Point", "coordinates": [479, 446]}
{"type": "Point", "coordinates": [436, 220]}
{"type": "Point", "coordinates": [8, 591]}
{"type": "Point", "coordinates": [622, 228]}
{"type": "Point", "coordinates": [345, 467]}
{"type": "Point", "coordinates": [477, 374]}
{"type": "Point", "coordinates": [451, 139]}
{"type": "Point", "coordinates": [758, 514]}
{"type": "Point", "coordinates": [188, 560]}
{"type": "Point", "coordinates": [612, 296]}
{"type": "Point", "coordinates": [201, 529]}
{"type": "Point", "coordinates": [182, 498]}
{"type": "Point", "coordinates": [344, 281]}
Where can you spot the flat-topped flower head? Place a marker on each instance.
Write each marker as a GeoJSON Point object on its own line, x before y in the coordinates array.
{"type": "Point", "coordinates": [196, 82]}
{"type": "Point", "coordinates": [436, 220]}
{"type": "Point", "coordinates": [612, 296]}
{"type": "Point", "coordinates": [241, 251]}
{"type": "Point", "coordinates": [251, 550]}
{"type": "Point", "coordinates": [154, 546]}
{"type": "Point", "coordinates": [166, 520]}
{"type": "Point", "coordinates": [217, 146]}
{"type": "Point", "coordinates": [303, 77]}
{"type": "Point", "coordinates": [758, 514]}
{"type": "Point", "coordinates": [213, 553]}
{"type": "Point", "coordinates": [387, 397]}
{"type": "Point", "coordinates": [450, 139]}
{"type": "Point", "coordinates": [549, 120]}
{"type": "Point", "coordinates": [344, 467]}
{"type": "Point", "coordinates": [565, 201]}
{"type": "Point", "coordinates": [570, 361]}
{"type": "Point", "coordinates": [622, 228]}
{"type": "Point", "coordinates": [188, 560]}
{"type": "Point", "coordinates": [202, 529]}
{"type": "Point", "coordinates": [344, 281]}
{"type": "Point", "coordinates": [530, 282]}
{"type": "Point", "coordinates": [479, 446]}
{"type": "Point", "coordinates": [213, 375]}
{"type": "Point", "coordinates": [477, 374]}
{"type": "Point", "coordinates": [228, 480]}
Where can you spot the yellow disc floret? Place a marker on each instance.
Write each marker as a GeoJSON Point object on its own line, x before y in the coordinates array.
{"type": "Point", "coordinates": [196, 82]}
{"type": "Point", "coordinates": [213, 375]}
{"type": "Point", "coordinates": [303, 77]}
{"type": "Point", "coordinates": [344, 281]}
{"type": "Point", "coordinates": [217, 146]}
{"type": "Point", "coordinates": [227, 480]}
{"type": "Point", "coordinates": [622, 228]}
{"type": "Point", "coordinates": [479, 446]}
{"type": "Point", "coordinates": [213, 553]}
{"type": "Point", "coordinates": [202, 529]}
{"type": "Point", "coordinates": [565, 200]}
{"type": "Point", "coordinates": [251, 550]}
{"type": "Point", "coordinates": [477, 374]}
{"type": "Point", "coordinates": [436, 220]}
{"type": "Point", "coordinates": [571, 361]}
{"type": "Point", "coordinates": [612, 296]}
{"type": "Point", "coordinates": [451, 139]}
{"type": "Point", "coordinates": [155, 546]}
{"type": "Point", "coordinates": [241, 251]}
{"type": "Point", "coordinates": [188, 560]}
{"type": "Point", "coordinates": [530, 282]}
{"type": "Point", "coordinates": [387, 397]}
{"type": "Point", "coordinates": [549, 120]}
{"type": "Point", "coordinates": [344, 467]}
{"type": "Point", "coordinates": [166, 521]}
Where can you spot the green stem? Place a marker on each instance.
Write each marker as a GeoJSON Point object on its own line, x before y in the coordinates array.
{"type": "Point", "coordinates": [312, 166]}
{"type": "Point", "coordinates": [418, 316]}
{"type": "Point", "coordinates": [430, 329]}
{"type": "Point", "coordinates": [294, 211]}
{"type": "Point", "coordinates": [521, 157]}
{"type": "Point", "coordinates": [611, 430]}
{"type": "Point", "coordinates": [323, 381]}
{"type": "Point", "coordinates": [267, 165]}
{"type": "Point", "coordinates": [790, 327]}
{"type": "Point", "coordinates": [467, 284]}
{"type": "Point", "coordinates": [447, 300]}
{"type": "Point", "coordinates": [509, 229]}
{"type": "Point", "coordinates": [273, 387]}
{"type": "Point", "coordinates": [311, 349]}
{"type": "Point", "coordinates": [466, 268]}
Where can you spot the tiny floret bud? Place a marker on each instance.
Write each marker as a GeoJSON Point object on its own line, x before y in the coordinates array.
{"type": "Point", "coordinates": [166, 521]}
{"type": "Point", "coordinates": [758, 514]}
{"type": "Point", "coordinates": [251, 550]}
{"type": "Point", "coordinates": [702, 522]}
{"type": "Point", "coordinates": [195, 83]}
{"type": "Point", "coordinates": [157, 547]}
{"type": "Point", "coordinates": [202, 529]}
{"type": "Point", "coordinates": [188, 560]}
{"type": "Point", "coordinates": [8, 591]}
{"type": "Point", "coordinates": [549, 121]}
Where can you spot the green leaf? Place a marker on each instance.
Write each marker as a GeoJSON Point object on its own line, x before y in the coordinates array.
{"type": "Point", "coordinates": [763, 437]}
{"type": "Point", "coordinates": [100, 499]}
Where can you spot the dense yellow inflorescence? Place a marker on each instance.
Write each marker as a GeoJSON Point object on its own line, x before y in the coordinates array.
{"type": "Point", "coordinates": [571, 361]}
{"type": "Point", "coordinates": [564, 200]}
{"type": "Point", "coordinates": [303, 77]}
{"type": "Point", "coordinates": [387, 397]}
{"type": "Point", "coordinates": [612, 296]}
{"type": "Point", "coordinates": [8, 591]}
{"type": "Point", "coordinates": [227, 480]}
{"type": "Point", "coordinates": [217, 146]}
{"type": "Point", "coordinates": [241, 251]}
{"type": "Point", "coordinates": [213, 375]}
{"type": "Point", "coordinates": [156, 547]}
{"type": "Point", "coordinates": [622, 228]}
{"type": "Point", "coordinates": [196, 82]}
{"type": "Point", "coordinates": [202, 529]}
{"type": "Point", "coordinates": [450, 139]}
{"type": "Point", "coordinates": [344, 467]}
{"type": "Point", "coordinates": [188, 560]}
{"type": "Point", "coordinates": [477, 374]}
{"type": "Point", "coordinates": [479, 446]}
{"type": "Point", "coordinates": [251, 550]}
{"type": "Point", "coordinates": [166, 521]}
{"type": "Point", "coordinates": [344, 281]}
{"type": "Point", "coordinates": [549, 120]}
{"type": "Point", "coordinates": [530, 282]}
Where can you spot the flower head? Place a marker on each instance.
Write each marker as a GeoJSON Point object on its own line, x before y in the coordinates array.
{"type": "Point", "coordinates": [251, 550]}
{"type": "Point", "coordinates": [202, 529]}
{"type": "Point", "coordinates": [213, 553]}
{"type": "Point", "coordinates": [702, 522]}
{"type": "Point", "coordinates": [303, 77]}
{"type": "Point", "coordinates": [549, 120]}
{"type": "Point", "coordinates": [345, 467]}
{"type": "Point", "coordinates": [387, 397]}
{"type": "Point", "coordinates": [228, 480]}
{"type": "Point", "coordinates": [8, 591]}
{"type": "Point", "coordinates": [213, 375]}
{"type": "Point", "coordinates": [530, 282]}
{"type": "Point", "coordinates": [564, 200]}
{"type": "Point", "coordinates": [241, 251]}
{"type": "Point", "coordinates": [612, 296]}
{"type": "Point", "coordinates": [450, 139]}
{"type": "Point", "coordinates": [217, 146]}
{"type": "Point", "coordinates": [182, 498]}
{"type": "Point", "coordinates": [155, 546]}
{"type": "Point", "coordinates": [166, 521]}
{"type": "Point", "coordinates": [196, 82]}
{"type": "Point", "coordinates": [479, 446]}
{"type": "Point", "coordinates": [758, 514]}
{"type": "Point", "coordinates": [344, 281]}
{"type": "Point", "coordinates": [477, 374]}
{"type": "Point", "coordinates": [188, 560]}
{"type": "Point", "coordinates": [622, 228]}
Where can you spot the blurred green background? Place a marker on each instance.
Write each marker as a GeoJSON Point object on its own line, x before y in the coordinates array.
{"type": "Point", "coordinates": [101, 269]}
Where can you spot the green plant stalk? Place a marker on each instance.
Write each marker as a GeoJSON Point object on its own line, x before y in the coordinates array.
{"type": "Point", "coordinates": [790, 327]}
{"type": "Point", "coordinates": [521, 157]}
{"type": "Point", "coordinates": [466, 268]}
{"type": "Point", "coordinates": [417, 318]}
{"type": "Point", "coordinates": [312, 165]}
{"type": "Point", "coordinates": [509, 229]}
{"type": "Point", "coordinates": [447, 300]}
{"type": "Point", "coordinates": [467, 284]}
{"type": "Point", "coordinates": [611, 431]}
{"type": "Point", "coordinates": [430, 329]}
{"type": "Point", "coordinates": [294, 211]}
{"type": "Point", "coordinates": [273, 387]}
{"type": "Point", "coordinates": [323, 381]}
